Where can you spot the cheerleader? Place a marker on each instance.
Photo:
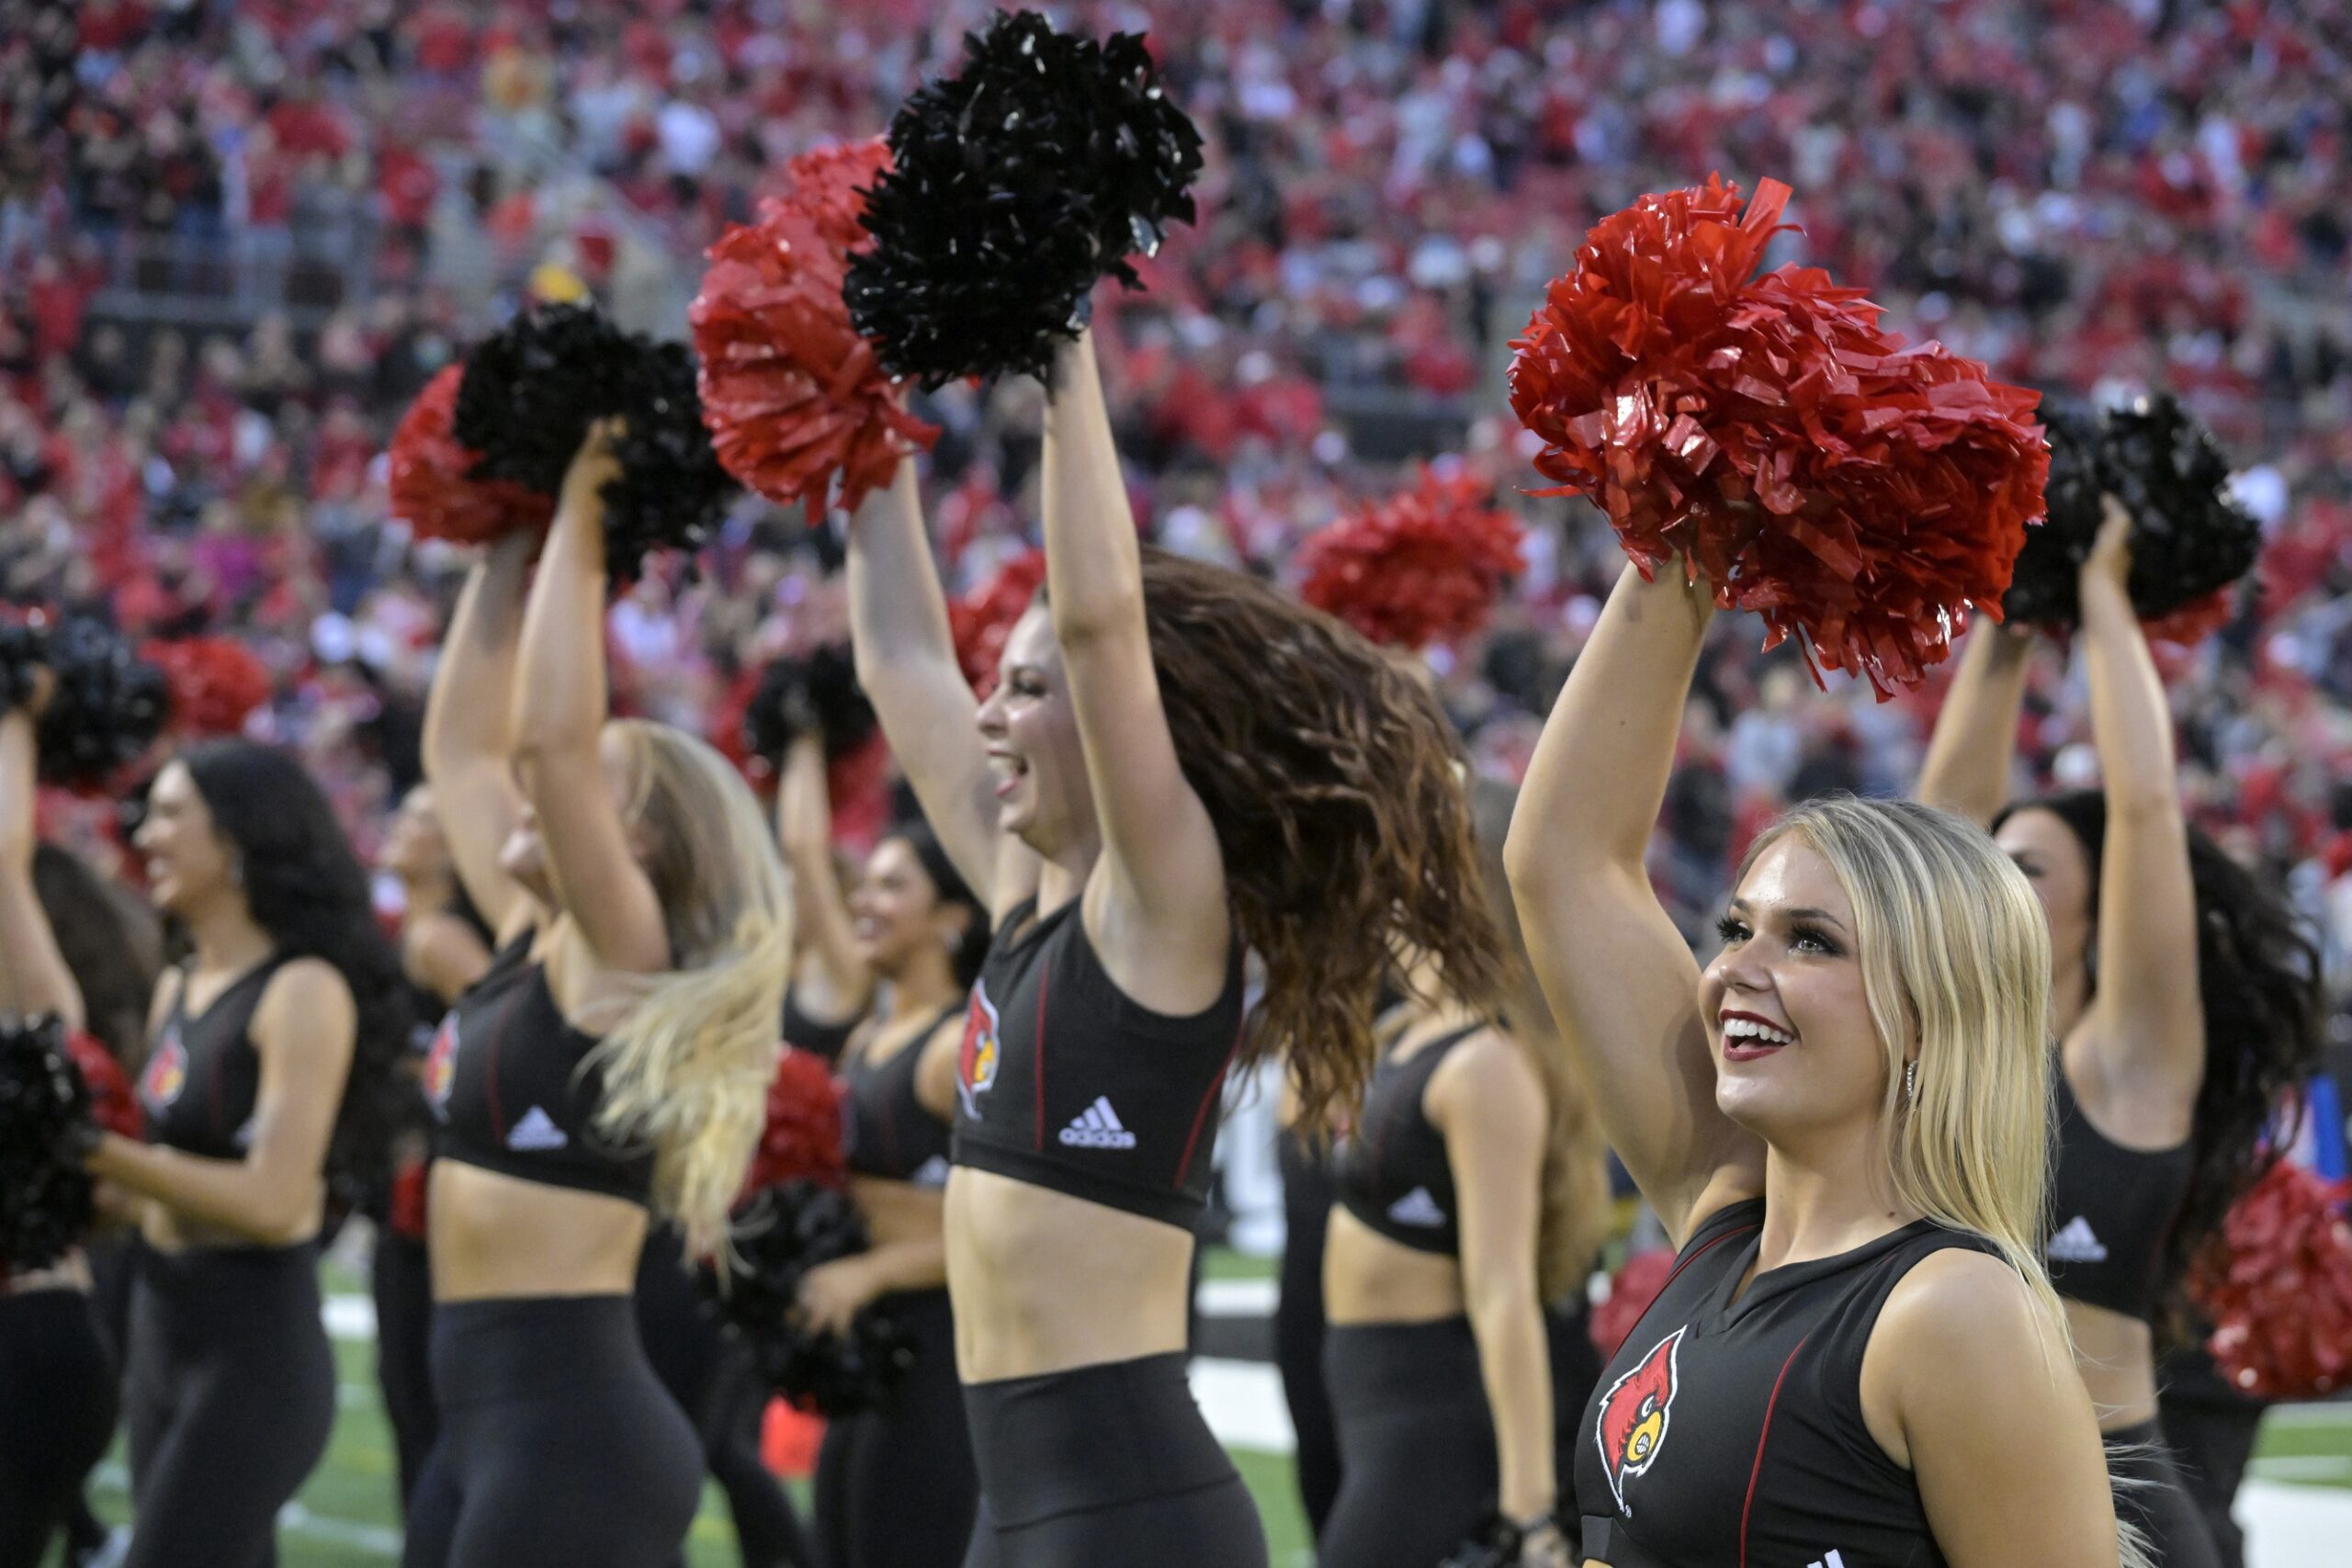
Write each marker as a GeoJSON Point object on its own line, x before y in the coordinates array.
{"type": "Point", "coordinates": [1841, 1124]}
{"type": "Point", "coordinates": [265, 1091]}
{"type": "Point", "coordinates": [615, 1067]}
{"type": "Point", "coordinates": [58, 1390]}
{"type": "Point", "coordinates": [2185, 1002]}
{"type": "Point", "coordinates": [833, 985]}
{"type": "Point", "coordinates": [1175, 759]}
{"type": "Point", "coordinates": [1471, 1193]}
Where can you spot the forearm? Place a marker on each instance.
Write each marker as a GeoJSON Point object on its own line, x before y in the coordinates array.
{"type": "Point", "coordinates": [560, 662]}
{"type": "Point", "coordinates": [2130, 724]}
{"type": "Point", "coordinates": [1093, 561]}
{"type": "Point", "coordinates": [270, 1206]}
{"type": "Point", "coordinates": [1515, 1364]}
{"type": "Point", "coordinates": [1598, 776]}
{"type": "Point", "coordinates": [469, 712]}
{"type": "Point", "coordinates": [898, 612]}
{"type": "Point", "coordinates": [908, 1265]}
{"type": "Point", "coordinates": [1974, 745]}
{"type": "Point", "coordinates": [34, 976]}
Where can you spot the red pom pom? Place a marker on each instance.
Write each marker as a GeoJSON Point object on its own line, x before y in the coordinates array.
{"type": "Point", "coordinates": [1424, 566]}
{"type": "Point", "coordinates": [983, 618]}
{"type": "Point", "coordinates": [1768, 431]}
{"type": "Point", "coordinates": [430, 483]}
{"type": "Point", "coordinates": [2194, 620]}
{"type": "Point", "coordinates": [216, 682]}
{"type": "Point", "coordinates": [112, 1104]}
{"type": "Point", "coordinates": [803, 1138]}
{"type": "Point", "coordinates": [797, 406]}
{"type": "Point", "coordinates": [411, 1209]}
{"type": "Point", "coordinates": [1631, 1290]}
{"type": "Point", "coordinates": [2277, 1287]}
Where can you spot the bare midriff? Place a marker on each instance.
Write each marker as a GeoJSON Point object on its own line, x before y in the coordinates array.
{"type": "Point", "coordinates": [2117, 1356]}
{"type": "Point", "coordinates": [497, 1237]}
{"type": "Point", "coordinates": [1369, 1278]}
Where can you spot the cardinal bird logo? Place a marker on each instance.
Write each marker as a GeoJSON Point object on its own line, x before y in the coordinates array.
{"type": "Point", "coordinates": [1634, 1417]}
{"type": "Point", "coordinates": [441, 1065]}
{"type": "Point", "coordinates": [166, 1072]}
{"type": "Point", "coordinates": [975, 1064]}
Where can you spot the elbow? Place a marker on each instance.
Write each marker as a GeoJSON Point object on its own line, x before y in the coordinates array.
{"type": "Point", "coordinates": [1496, 1296]}
{"type": "Point", "coordinates": [1097, 615]}
{"type": "Point", "coordinates": [286, 1215]}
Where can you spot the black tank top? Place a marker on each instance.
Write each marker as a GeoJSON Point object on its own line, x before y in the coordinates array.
{"type": "Point", "coordinates": [1065, 1083]}
{"type": "Point", "coordinates": [1392, 1170]}
{"type": "Point", "coordinates": [1724, 1434]}
{"type": "Point", "coordinates": [2112, 1210]}
{"type": "Point", "coordinates": [201, 1079]}
{"type": "Point", "coordinates": [506, 1081]}
{"type": "Point", "coordinates": [818, 1038]}
{"type": "Point", "coordinates": [889, 1132]}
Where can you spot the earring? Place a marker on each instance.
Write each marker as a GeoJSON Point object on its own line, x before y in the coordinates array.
{"type": "Point", "coordinates": [1911, 1079]}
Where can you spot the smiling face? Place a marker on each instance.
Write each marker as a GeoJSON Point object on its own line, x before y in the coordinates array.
{"type": "Point", "coordinates": [1031, 732]}
{"type": "Point", "coordinates": [189, 859]}
{"type": "Point", "coordinates": [2051, 857]}
{"type": "Point", "coordinates": [414, 846]}
{"type": "Point", "coordinates": [1796, 1050]}
{"type": "Point", "coordinates": [897, 911]}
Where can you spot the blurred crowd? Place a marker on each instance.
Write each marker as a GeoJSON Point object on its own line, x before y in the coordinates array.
{"type": "Point", "coordinates": [2093, 196]}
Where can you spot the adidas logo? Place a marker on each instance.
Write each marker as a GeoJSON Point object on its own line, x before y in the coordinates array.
{"type": "Point", "coordinates": [1097, 1127]}
{"type": "Point", "coordinates": [1832, 1560]}
{"type": "Point", "coordinates": [1416, 1208]}
{"type": "Point", "coordinates": [537, 1130]}
{"type": "Point", "coordinates": [932, 1172]}
{"type": "Point", "coordinates": [2077, 1244]}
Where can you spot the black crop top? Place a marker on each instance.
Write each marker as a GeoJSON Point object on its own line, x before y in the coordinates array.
{"type": "Point", "coordinates": [1392, 1170]}
{"type": "Point", "coordinates": [506, 1083]}
{"type": "Point", "coordinates": [203, 1076]}
{"type": "Point", "coordinates": [2112, 1210]}
{"type": "Point", "coordinates": [889, 1133]}
{"type": "Point", "coordinates": [1727, 1433]}
{"type": "Point", "coordinates": [813, 1035]}
{"type": "Point", "coordinates": [1066, 1083]}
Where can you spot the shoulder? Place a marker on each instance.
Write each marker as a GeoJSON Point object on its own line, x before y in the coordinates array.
{"type": "Point", "coordinates": [308, 992]}
{"type": "Point", "coordinates": [1484, 1072]}
{"type": "Point", "coordinates": [1961, 1328]}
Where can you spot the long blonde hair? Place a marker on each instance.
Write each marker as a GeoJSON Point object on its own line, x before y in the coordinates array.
{"type": "Point", "coordinates": [686, 1071]}
{"type": "Point", "coordinates": [1576, 1207]}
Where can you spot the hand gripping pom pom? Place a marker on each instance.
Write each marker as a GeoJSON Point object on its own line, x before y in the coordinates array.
{"type": "Point", "coordinates": [1495, 1543]}
{"type": "Point", "coordinates": [1020, 184]}
{"type": "Point", "coordinates": [431, 479]}
{"type": "Point", "coordinates": [215, 683]}
{"type": "Point", "coordinates": [531, 390]}
{"type": "Point", "coordinates": [2191, 539]}
{"type": "Point", "coordinates": [114, 1105]}
{"type": "Point", "coordinates": [799, 409]}
{"type": "Point", "coordinates": [817, 695]}
{"type": "Point", "coordinates": [1814, 470]}
{"type": "Point", "coordinates": [46, 1205]}
{"type": "Point", "coordinates": [782, 1234]}
{"type": "Point", "coordinates": [106, 707]}
{"type": "Point", "coordinates": [983, 618]}
{"type": "Point", "coordinates": [2278, 1288]}
{"type": "Point", "coordinates": [1425, 566]}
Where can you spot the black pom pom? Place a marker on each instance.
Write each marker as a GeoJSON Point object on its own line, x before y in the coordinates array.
{"type": "Point", "coordinates": [797, 696]}
{"type": "Point", "coordinates": [45, 1199]}
{"type": "Point", "coordinates": [107, 704]}
{"type": "Point", "coordinates": [781, 1234]}
{"type": "Point", "coordinates": [530, 392]}
{"type": "Point", "coordinates": [1017, 186]}
{"type": "Point", "coordinates": [2188, 536]}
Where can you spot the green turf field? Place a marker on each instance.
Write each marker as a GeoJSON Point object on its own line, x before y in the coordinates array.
{"type": "Point", "coordinates": [347, 1519]}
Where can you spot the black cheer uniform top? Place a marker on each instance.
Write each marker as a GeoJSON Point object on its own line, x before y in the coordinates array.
{"type": "Point", "coordinates": [889, 1132]}
{"type": "Point", "coordinates": [1392, 1171]}
{"type": "Point", "coordinates": [509, 1082]}
{"type": "Point", "coordinates": [1728, 1435]}
{"type": "Point", "coordinates": [2112, 1210]}
{"type": "Point", "coordinates": [1065, 1083]}
{"type": "Point", "coordinates": [202, 1077]}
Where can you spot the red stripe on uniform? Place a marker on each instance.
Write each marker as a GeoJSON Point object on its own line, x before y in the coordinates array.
{"type": "Point", "coordinates": [1757, 1469]}
{"type": "Point", "coordinates": [1702, 1252]}
{"type": "Point", "coordinates": [1200, 1116]}
{"type": "Point", "coordinates": [1045, 983]}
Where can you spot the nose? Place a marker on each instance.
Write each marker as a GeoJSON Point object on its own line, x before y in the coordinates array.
{"type": "Point", "coordinates": [991, 717]}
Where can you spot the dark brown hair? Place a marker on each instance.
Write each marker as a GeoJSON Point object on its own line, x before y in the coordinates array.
{"type": "Point", "coordinates": [1332, 778]}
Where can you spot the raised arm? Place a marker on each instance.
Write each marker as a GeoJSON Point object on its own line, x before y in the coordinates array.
{"type": "Point", "coordinates": [559, 709]}
{"type": "Point", "coordinates": [1621, 983]}
{"type": "Point", "coordinates": [34, 976]}
{"type": "Point", "coordinates": [829, 980]}
{"type": "Point", "coordinates": [906, 661]}
{"type": "Point", "coordinates": [2146, 1026]}
{"type": "Point", "coordinates": [303, 1032]}
{"type": "Point", "coordinates": [1486, 1100]}
{"type": "Point", "coordinates": [469, 740]}
{"type": "Point", "coordinates": [1969, 758]}
{"type": "Point", "coordinates": [1162, 887]}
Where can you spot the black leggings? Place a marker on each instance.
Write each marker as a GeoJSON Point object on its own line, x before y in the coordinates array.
{"type": "Point", "coordinates": [2160, 1504]}
{"type": "Point", "coordinates": [231, 1401]}
{"type": "Point", "coordinates": [1105, 1464]}
{"type": "Point", "coordinates": [403, 1284]}
{"type": "Point", "coordinates": [2211, 1430]}
{"type": "Point", "coordinates": [58, 1399]}
{"type": "Point", "coordinates": [895, 1484]}
{"type": "Point", "coordinates": [1417, 1470]}
{"type": "Point", "coordinates": [558, 1447]}
{"type": "Point", "coordinates": [1308, 1195]}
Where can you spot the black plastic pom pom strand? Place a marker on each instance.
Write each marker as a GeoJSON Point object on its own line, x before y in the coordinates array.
{"type": "Point", "coordinates": [46, 1205]}
{"type": "Point", "coordinates": [796, 696]}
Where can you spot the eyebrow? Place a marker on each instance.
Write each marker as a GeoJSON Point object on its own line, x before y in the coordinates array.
{"type": "Point", "coordinates": [1796, 912]}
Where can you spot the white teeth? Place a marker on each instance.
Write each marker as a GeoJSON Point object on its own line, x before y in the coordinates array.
{"type": "Point", "coordinates": [1763, 1033]}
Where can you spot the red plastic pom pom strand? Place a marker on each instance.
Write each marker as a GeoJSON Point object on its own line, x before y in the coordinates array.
{"type": "Point", "coordinates": [216, 682]}
{"type": "Point", "coordinates": [1426, 566]}
{"type": "Point", "coordinates": [431, 479]}
{"type": "Point", "coordinates": [802, 1140]}
{"type": "Point", "coordinates": [2278, 1288]}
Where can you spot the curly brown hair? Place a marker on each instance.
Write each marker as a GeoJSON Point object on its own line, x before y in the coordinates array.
{"type": "Point", "coordinates": [1331, 777]}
